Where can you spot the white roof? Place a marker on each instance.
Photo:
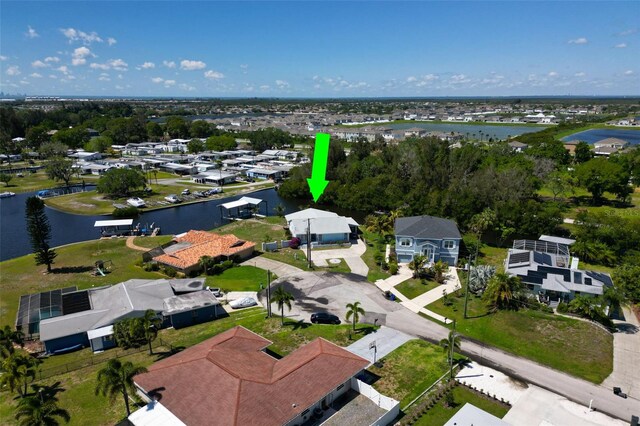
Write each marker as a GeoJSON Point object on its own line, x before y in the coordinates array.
{"type": "Point", "coordinates": [100, 332]}
{"type": "Point", "coordinates": [154, 414]}
{"type": "Point", "coordinates": [120, 222]}
{"type": "Point", "coordinates": [559, 240]}
{"type": "Point", "coordinates": [321, 226]}
{"type": "Point", "coordinates": [309, 214]}
{"type": "Point", "coordinates": [244, 201]}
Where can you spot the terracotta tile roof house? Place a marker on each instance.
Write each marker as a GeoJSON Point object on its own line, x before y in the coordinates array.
{"type": "Point", "coordinates": [230, 380]}
{"type": "Point", "coordinates": [192, 245]}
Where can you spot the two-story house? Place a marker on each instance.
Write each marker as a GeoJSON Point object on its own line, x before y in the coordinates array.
{"type": "Point", "coordinates": [434, 237]}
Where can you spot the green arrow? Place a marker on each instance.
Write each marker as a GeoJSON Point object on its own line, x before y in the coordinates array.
{"type": "Point", "coordinates": [317, 181]}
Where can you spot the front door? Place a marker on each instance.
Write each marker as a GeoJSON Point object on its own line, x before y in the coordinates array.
{"type": "Point", "coordinates": [428, 252]}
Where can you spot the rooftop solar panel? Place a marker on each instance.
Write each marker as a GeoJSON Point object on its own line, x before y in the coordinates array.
{"type": "Point", "coordinates": [518, 258]}
{"type": "Point", "coordinates": [75, 302]}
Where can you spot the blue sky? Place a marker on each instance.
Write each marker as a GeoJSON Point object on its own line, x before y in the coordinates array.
{"type": "Point", "coordinates": [320, 49]}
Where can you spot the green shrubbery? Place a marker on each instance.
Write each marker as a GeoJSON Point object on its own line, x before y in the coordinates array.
{"type": "Point", "coordinates": [126, 212]}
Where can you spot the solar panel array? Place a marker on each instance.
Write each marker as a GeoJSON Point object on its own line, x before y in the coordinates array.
{"type": "Point", "coordinates": [75, 302]}
{"type": "Point", "coordinates": [542, 258]}
{"type": "Point", "coordinates": [39, 306]}
{"type": "Point", "coordinates": [518, 258]}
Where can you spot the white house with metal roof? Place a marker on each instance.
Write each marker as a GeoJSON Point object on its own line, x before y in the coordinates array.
{"type": "Point", "coordinates": [324, 227]}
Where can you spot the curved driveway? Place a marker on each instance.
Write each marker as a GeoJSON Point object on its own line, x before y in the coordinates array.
{"type": "Point", "coordinates": [314, 291]}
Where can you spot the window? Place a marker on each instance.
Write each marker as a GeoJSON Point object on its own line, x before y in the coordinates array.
{"type": "Point", "coordinates": [406, 242]}
{"type": "Point", "coordinates": [449, 244]}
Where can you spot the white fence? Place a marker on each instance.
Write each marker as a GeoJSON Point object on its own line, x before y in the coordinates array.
{"type": "Point", "coordinates": [391, 405]}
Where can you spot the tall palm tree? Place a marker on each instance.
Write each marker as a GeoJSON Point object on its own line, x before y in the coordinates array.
{"type": "Point", "coordinates": [354, 310]}
{"type": "Point", "coordinates": [282, 297]}
{"type": "Point", "coordinates": [151, 323]}
{"type": "Point", "coordinates": [117, 378]}
{"type": "Point", "coordinates": [18, 370]}
{"type": "Point", "coordinates": [502, 291]}
{"type": "Point", "coordinates": [449, 345]}
{"type": "Point", "coordinates": [38, 411]}
{"type": "Point", "coordinates": [7, 338]}
{"type": "Point", "coordinates": [438, 269]}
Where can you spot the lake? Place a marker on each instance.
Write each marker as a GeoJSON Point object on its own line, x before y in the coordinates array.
{"type": "Point", "coordinates": [594, 135]}
{"type": "Point", "coordinates": [69, 228]}
{"type": "Point", "coordinates": [494, 132]}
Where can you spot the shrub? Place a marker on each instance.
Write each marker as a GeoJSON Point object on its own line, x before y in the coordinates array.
{"type": "Point", "coordinates": [170, 272]}
{"type": "Point", "coordinates": [126, 212]}
{"type": "Point", "coordinates": [563, 308]}
{"type": "Point", "coordinates": [294, 243]}
{"type": "Point", "coordinates": [393, 268]}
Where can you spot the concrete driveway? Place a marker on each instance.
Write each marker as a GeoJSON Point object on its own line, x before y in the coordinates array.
{"type": "Point", "coordinates": [386, 341]}
{"type": "Point", "coordinates": [351, 255]}
{"type": "Point", "coordinates": [279, 268]}
{"type": "Point", "coordinates": [626, 356]}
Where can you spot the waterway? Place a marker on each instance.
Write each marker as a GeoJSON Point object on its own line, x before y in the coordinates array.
{"type": "Point", "coordinates": [69, 228]}
{"type": "Point", "coordinates": [470, 130]}
{"type": "Point", "coordinates": [594, 135]}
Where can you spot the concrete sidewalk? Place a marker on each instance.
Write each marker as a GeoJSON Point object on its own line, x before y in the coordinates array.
{"type": "Point", "coordinates": [387, 340]}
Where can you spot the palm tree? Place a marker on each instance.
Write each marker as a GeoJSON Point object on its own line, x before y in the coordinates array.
{"type": "Point", "coordinates": [438, 269]}
{"type": "Point", "coordinates": [205, 263]}
{"type": "Point", "coordinates": [7, 338]}
{"type": "Point", "coordinates": [449, 345]}
{"type": "Point", "coordinates": [18, 370]}
{"type": "Point", "coordinates": [151, 323]}
{"type": "Point", "coordinates": [354, 310]}
{"type": "Point", "coordinates": [279, 210]}
{"type": "Point", "coordinates": [38, 411]}
{"type": "Point", "coordinates": [282, 297]}
{"type": "Point", "coordinates": [501, 291]}
{"type": "Point", "coordinates": [417, 265]}
{"type": "Point", "coordinates": [117, 378]}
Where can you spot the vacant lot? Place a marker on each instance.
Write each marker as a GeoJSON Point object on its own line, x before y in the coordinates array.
{"type": "Point", "coordinates": [413, 288]}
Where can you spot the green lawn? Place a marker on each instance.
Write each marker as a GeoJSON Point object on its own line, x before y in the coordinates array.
{"type": "Point", "coordinates": [373, 246]}
{"type": "Point", "coordinates": [542, 337]}
{"type": "Point", "coordinates": [409, 370]}
{"type": "Point", "coordinates": [494, 256]}
{"type": "Point", "coordinates": [240, 278]}
{"type": "Point", "coordinates": [256, 230]}
{"type": "Point", "coordinates": [293, 257]}
{"type": "Point", "coordinates": [87, 409]}
{"type": "Point", "coordinates": [73, 266]}
{"type": "Point", "coordinates": [152, 242]}
{"type": "Point", "coordinates": [413, 288]}
{"type": "Point", "coordinates": [39, 180]}
{"type": "Point", "coordinates": [439, 414]}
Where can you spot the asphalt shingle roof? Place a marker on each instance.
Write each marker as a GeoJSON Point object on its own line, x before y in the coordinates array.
{"type": "Point", "coordinates": [426, 227]}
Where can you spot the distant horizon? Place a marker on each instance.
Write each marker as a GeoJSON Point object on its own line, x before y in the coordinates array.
{"type": "Point", "coordinates": [318, 50]}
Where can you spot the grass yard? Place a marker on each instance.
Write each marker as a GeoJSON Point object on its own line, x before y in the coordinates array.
{"type": "Point", "coordinates": [409, 370]}
{"type": "Point", "coordinates": [240, 278]}
{"type": "Point", "coordinates": [293, 257]}
{"type": "Point", "coordinates": [494, 256]}
{"type": "Point", "coordinates": [88, 409]}
{"type": "Point", "coordinates": [40, 180]}
{"type": "Point", "coordinates": [538, 336]}
{"type": "Point", "coordinates": [373, 247]}
{"type": "Point", "coordinates": [152, 242]}
{"type": "Point", "coordinates": [256, 230]}
{"type": "Point", "coordinates": [439, 414]}
{"type": "Point", "coordinates": [413, 288]}
{"type": "Point", "coordinates": [73, 266]}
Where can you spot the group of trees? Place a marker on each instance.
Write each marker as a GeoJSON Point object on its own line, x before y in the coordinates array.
{"type": "Point", "coordinates": [133, 332]}
{"type": "Point", "coordinates": [117, 183]}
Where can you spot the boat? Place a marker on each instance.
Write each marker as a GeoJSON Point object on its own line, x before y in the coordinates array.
{"type": "Point", "coordinates": [45, 193]}
{"type": "Point", "coordinates": [173, 198]}
{"type": "Point", "coordinates": [7, 194]}
{"type": "Point", "coordinates": [136, 202]}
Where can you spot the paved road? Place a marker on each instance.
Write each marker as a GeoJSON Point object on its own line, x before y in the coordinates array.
{"type": "Point", "coordinates": [315, 291]}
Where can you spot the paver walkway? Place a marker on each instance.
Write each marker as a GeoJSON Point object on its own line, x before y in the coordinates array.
{"type": "Point", "coordinates": [351, 255]}
{"type": "Point", "coordinates": [626, 356]}
{"type": "Point", "coordinates": [387, 340]}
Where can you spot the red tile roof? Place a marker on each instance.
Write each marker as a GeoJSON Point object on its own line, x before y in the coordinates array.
{"type": "Point", "coordinates": [229, 380]}
{"type": "Point", "coordinates": [203, 244]}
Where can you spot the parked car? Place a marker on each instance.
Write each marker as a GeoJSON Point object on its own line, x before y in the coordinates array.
{"type": "Point", "coordinates": [243, 302]}
{"type": "Point", "coordinates": [136, 202]}
{"type": "Point", "coordinates": [618, 391]}
{"type": "Point", "coordinates": [186, 192]}
{"type": "Point", "coordinates": [173, 198]}
{"type": "Point", "coordinates": [324, 318]}
{"type": "Point", "coordinates": [215, 291]}
{"type": "Point", "coordinates": [199, 194]}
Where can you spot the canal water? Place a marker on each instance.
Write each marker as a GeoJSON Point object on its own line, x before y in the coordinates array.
{"type": "Point", "coordinates": [69, 228]}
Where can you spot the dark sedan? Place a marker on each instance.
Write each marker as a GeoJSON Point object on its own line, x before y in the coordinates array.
{"type": "Point", "coordinates": [324, 318]}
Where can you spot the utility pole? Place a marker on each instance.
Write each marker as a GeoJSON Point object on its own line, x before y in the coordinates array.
{"type": "Point", "coordinates": [466, 293]}
{"type": "Point", "coordinates": [268, 293]}
{"type": "Point", "coordinates": [309, 242]}
{"type": "Point", "coordinates": [452, 345]}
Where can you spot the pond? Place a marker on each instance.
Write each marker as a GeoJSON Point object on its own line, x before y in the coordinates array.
{"type": "Point", "coordinates": [594, 135]}
{"type": "Point", "coordinates": [471, 130]}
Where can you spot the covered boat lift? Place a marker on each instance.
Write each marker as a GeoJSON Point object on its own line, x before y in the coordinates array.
{"type": "Point", "coordinates": [243, 208]}
{"type": "Point", "coordinates": [110, 228]}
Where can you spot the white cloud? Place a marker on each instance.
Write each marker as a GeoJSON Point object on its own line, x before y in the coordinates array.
{"type": "Point", "coordinates": [579, 40]}
{"type": "Point", "coordinates": [628, 32]}
{"type": "Point", "coordinates": [213, 75]}
{"type": "Point", "coordinates": [187, 87]}
{"type": "Point", "coordinates": [628, 72]}
{"type": "Point", "coordinates": [97, 66]}
{"type": "Point", "coordinates": [79, 56]}
{"type": "Point", "coordinates": [264, 87]}
{"type": "Point", "coordinates": [118, 64]}
{"type": "Point", "coordinates": [31, 33]}
{"type": "Point", "coordinates": [103, 78]}
{"type": "Point", "coordinates": [3, 58]}
{"type": "Point", "coordinates": [148, 65]}
{"type": "Point", "coordinates": [76, 35]}
{"type": "Point", "coordinates": [552, 74]}
{"type": "Point", "coordinates": [188, 65]}
{"type": "Point", "coordinates": [13, 70]}
{"type": "Point", "coordinates": [282, 84]}
{"type": "Point", "coordinates": [169, 83]}
{"type": "Point", "coordinates": [35, 75]}
{"type": "Point", "coordinates": [53, 76]}
{"type": "Point", "coordinates": [621, 46]}
{"type": "Point", "coordinates": [244, 66]}
{"type": "Point", "coordinates": [411, 79]}
{"type": "Point", "coordinates": [580, 74]}
{"type": "Point", "coordinates": [157, 80]}
{"type": "Point", "coordinates": [169, 64]}
{"type": "Point", "coordinates": [459, 79]}
{"type": "Point", "coordinates": [39, 64]}
{"type": "Point", "coordinates": [63, 69]}
{"type": "Point", "coordinates": [111, 41]}
{"type": "Point", "coordinates": [52, 59]}
{"type": "Point", "coordinates": [119, 87]}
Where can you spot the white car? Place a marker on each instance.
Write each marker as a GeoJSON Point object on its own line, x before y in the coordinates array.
{"type": "Point", "coordinates": [243, 302]}
{"type": "Point", "coordinates": [173, 198]}
{"type": "Point", "coordinates": [136, 202]}
{"type": "Point", "coordinates": [186, 192]}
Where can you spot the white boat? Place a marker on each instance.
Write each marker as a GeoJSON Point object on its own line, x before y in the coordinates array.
{"type": "Point", "coordinates": [136, 202]}
{"type": "Point", "coordinates": [7, 194]}
{"type": "Point", "coordinates": [172, 198]}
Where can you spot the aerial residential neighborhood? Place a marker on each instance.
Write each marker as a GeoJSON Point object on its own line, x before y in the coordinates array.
{"type": "Point", "coordinates": [319, 213]}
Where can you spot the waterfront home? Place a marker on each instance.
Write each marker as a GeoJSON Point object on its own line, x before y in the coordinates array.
{"type": "Point", "coordinates": [187, 249]}
{"type": "Point", "coordinates": [435, 238]}
{"type": "Point", "coordinates": [517, 146]}
{"type": "Point", "coordinates": [609, 146]}
{"type": "Point", "coordinates": [85, 318]}
{"type": "Point", "coordinates": [324, 227]}
{"type": "Point", "coordinates": [548, 270]}
{"type": "Point", "coordinates": [233, 379]}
